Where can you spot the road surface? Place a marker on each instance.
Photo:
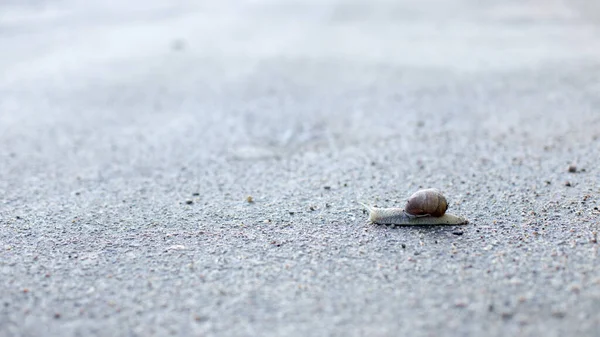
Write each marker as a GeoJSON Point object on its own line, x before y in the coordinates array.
{"type": "Point", "coordinates": [134, 134]}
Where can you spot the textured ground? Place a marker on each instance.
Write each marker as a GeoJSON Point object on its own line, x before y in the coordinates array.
{"type": "Point", "coordinates": [131, 136]}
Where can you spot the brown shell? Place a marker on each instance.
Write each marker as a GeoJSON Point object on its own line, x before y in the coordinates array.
{"type": "Point", "coordinates": [427, 202]}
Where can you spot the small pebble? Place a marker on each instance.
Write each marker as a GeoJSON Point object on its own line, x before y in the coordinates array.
{"type": "Point", "coordinates": [175, 247]}
{"type": "Point", "coordinates": [189, 202]}
{"type": "Point", "coordinates": [178, 44]}
{"type": "Point", "coordinates": [327, 187]}
{"type": "Point", "coordinates": [460, 304]}
{"type": "Point", "coordinates": [196, 194]}
{"type": "Point", "coordinates": [568, 183]}
{"type": "Point", "coordinates": [572, 168]}
{"type": "Point", "coordinates": [249, 199]}
{"type": "Point", "coordinates": [458, 232]}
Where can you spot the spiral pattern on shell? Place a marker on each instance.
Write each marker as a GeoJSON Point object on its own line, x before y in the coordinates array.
{"type": "Point", "coordinates": [427, 202]}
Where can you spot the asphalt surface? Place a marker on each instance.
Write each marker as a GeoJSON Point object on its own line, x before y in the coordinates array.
{"type": "Point", "coordinates": [132, 135]}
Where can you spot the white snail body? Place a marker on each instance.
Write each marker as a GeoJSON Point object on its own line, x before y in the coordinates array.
{"type": "Point", "coordinates": [428, 207]}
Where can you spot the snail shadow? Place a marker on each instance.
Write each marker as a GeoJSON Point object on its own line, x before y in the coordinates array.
{"type": "Point", "coordinates": [430, 230]}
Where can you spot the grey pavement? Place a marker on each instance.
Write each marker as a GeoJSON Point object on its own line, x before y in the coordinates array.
{"type": "Point", "coordinates": [133, 133]}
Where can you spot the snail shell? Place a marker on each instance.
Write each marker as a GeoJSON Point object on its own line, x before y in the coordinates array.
{"type": "Point", "coordinates": [427, 202]}
{"type": "Point", "coordinates": [425, 207]}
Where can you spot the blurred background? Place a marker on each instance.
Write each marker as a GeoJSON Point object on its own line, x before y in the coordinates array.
{"type": "Point", "coordinates": [186, 82]}
{"type": "Point", "coordinates": [283, 74]}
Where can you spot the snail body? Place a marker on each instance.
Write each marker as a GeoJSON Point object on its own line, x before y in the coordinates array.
{"type": "Point", "coordinates": [425, 207]}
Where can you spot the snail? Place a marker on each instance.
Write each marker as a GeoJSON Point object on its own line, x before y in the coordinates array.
{"type": "Point", "coordinates": [424, 207]}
